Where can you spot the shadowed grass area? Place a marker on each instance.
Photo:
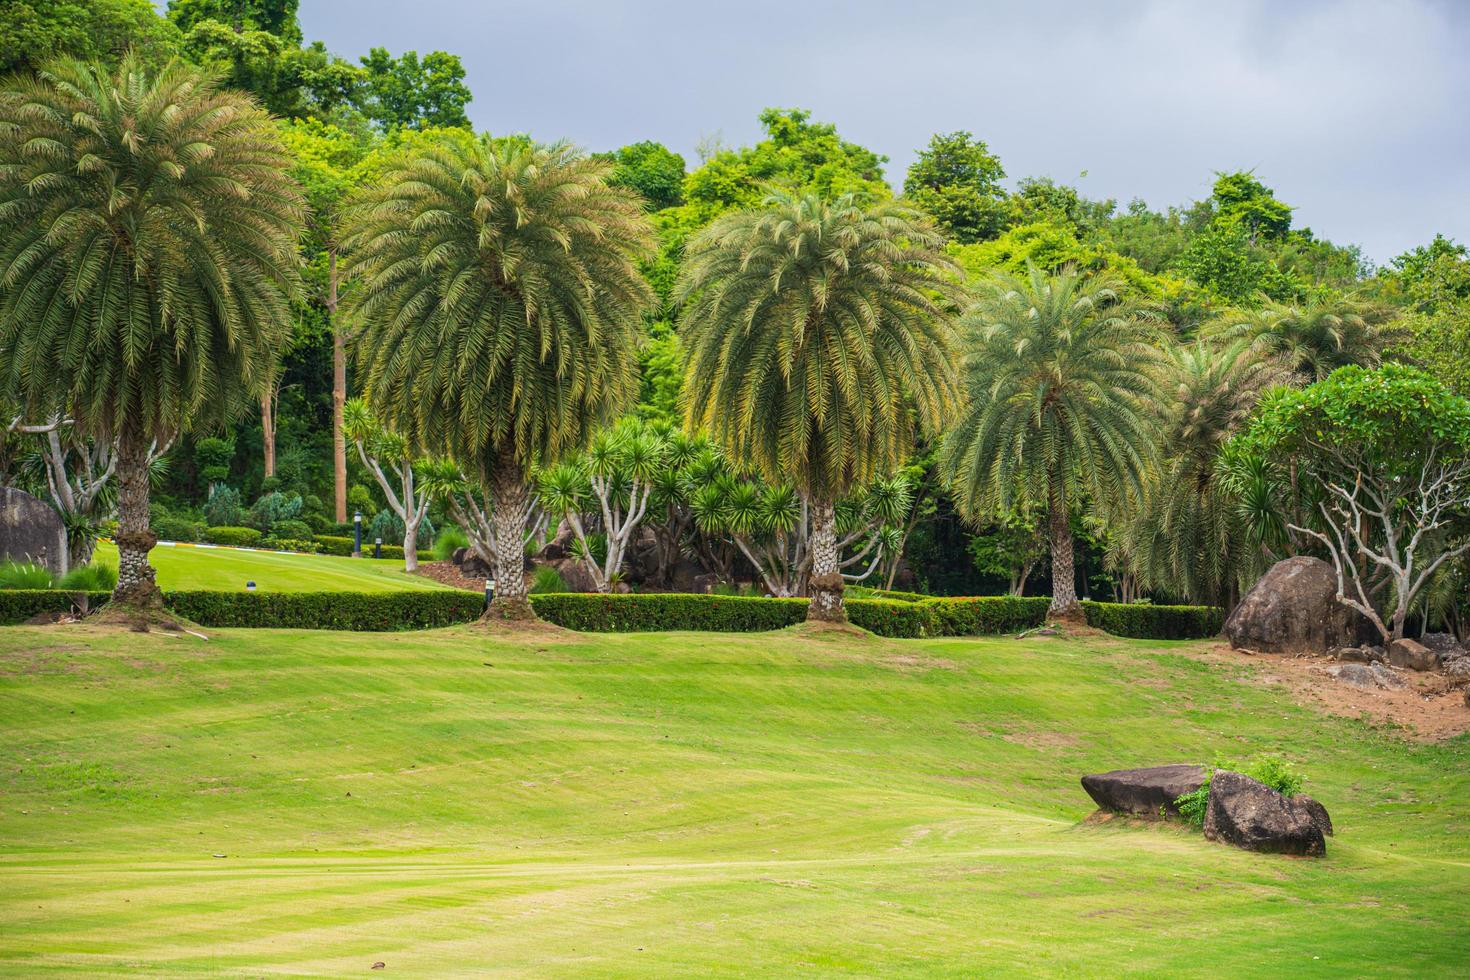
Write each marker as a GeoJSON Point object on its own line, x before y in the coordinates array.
{"type": "Point", "coordinates": [450, 802]}
{"type": "Point", "coordinates": [229, 569]}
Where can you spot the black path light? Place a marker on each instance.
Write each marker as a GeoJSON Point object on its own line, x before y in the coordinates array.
{"type": "Point", "coordinates": [377, 547]}
{"type": "Point", "coordinates": [489, 592]}
{"type": "Point", "coordinates": [357, 534]}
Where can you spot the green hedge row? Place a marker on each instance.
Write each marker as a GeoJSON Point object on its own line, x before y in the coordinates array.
{"type": "Point", "coordinates": [1155, 622]}
{"type": "Point", "coordinates": [19, 605]}
{"type": "Point", "coordinates": [332, 545]}
{"type": "Point", "coordinates": [360, 611]}
{"type": "Point", "coordinates": [379, 611]}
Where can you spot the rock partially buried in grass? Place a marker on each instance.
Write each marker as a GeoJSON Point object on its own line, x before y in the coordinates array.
{"type": "Point", "coordinates": [1251, 815]}
{"type": "Point", "coordinates": [1149, 792]}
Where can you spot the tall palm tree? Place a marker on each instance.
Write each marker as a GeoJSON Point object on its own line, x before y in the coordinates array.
{"type": "Point", "coordinates": [819, 342]}
{"type": "Point", "coordinates": [1059, 373]}
{"type": "Point", "coordinates": [500, 311]}
{"type": "Point", "coordinates": [1317, 337]}
{"type": "Point", "coordinates": [148, 236]}
{"type": "Point", "coordinates": [1188, 538]}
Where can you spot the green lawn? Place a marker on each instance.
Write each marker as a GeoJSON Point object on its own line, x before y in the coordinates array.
{"type": "Point", "coordinates": [277, 802]}
{"type": "Point", "coordinates": [271, 571]}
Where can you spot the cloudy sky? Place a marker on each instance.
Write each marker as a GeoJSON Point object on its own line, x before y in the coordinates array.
{"type": "Point", "coordinates": [1356, 112]}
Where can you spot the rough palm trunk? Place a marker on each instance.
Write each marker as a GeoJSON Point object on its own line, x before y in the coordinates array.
{"type": "Point", "coordinates": [509, 495]}
{"type": "Point", "coordinates": [135, 578]}
{"type": "Point", "coordinates": [339, 393]}
{"type": "Point", "coordinates": [826, 580]}
{"type": "Point", "coordinates": [1064, 604]}
{"type": "Point", "coordinates": [268, 432]}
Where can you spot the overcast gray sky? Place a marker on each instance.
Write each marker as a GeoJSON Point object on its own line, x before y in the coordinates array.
{"type": "Point", "coordinates": [1356, 112]}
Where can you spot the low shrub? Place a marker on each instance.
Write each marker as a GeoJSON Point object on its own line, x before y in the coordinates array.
{"type": "Point", "coordinates": [331, 544]}
{"type": "Point", "coordinates": [240, 537]}
{"type": "Point", "coordinates": [547, 579]}
{"type": "Point", "coordinates": [986, 615]}
{"type": "Point", "coordinates": [305, 546]}
{"type": "Point", "coordinates": [25, 575]}
{"type": "Point", "coordinates": [649, 612]}
{"type": "Point", "coordinates": [362, 611]}
{"type": "Point", "coordinates": [96, 577]}
{"type": "Point", "coordinates": [450, 540]}
{"type": "Point", "coordinates": [896, 595]}
{"type": "Point", "coordinates": [291, 530]}
{"type": "Point", "coordinates": [1150, 622]}
{"type": "Point", "coordinates": [891, 617]}
{"type": "Point", "coordinates": [171, 528]}
{"type": "Point", "coordinates": [19, 605]}
{"type": "Point", "coordinates": [1272, 770]}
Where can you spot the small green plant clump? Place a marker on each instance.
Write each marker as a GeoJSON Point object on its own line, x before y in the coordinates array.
{"type": "Point", "coordinates": [1272, 770]}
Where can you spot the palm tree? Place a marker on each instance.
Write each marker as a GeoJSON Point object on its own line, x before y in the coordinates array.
{"type": "Point", "coordinates": [1059, 372]}
{"type": "Point", "coordinates": [1316, 337]}
{"type": "Point", "coordinates": [148, 257]}
{"type": "Point", "coordinates": [500, 311]}
{"type": "Point", "coordinates": [1188, 538]}
{"type": "Point", "coordinates": [819, 341]}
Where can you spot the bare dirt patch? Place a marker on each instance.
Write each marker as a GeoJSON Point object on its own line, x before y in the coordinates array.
{"type": "Point", "coordinates": [1430, 708]}
{"type": "Point", "coordinates": [448, 573]}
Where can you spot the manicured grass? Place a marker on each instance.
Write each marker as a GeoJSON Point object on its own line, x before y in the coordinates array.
{"type": "Point", "coordinates": [229, 569]}
{"type": "Point", "coordinates": [452, 804]}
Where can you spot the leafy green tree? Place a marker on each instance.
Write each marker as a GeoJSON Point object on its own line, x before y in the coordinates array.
{"type": "Point", "coordinates": [1374, 467]}
{"type": "Point", "coordinates": [956, 179]}
{"type": "Point", "coordinates": [1224, 260]}
{"type": "Point", "coordinates": [1431, 278]}
{"type": "Point", "coordinates": [409, 92]}
{"type": "Point", "coordinates": [276, 17]}
{"type": "Point", "coordinates": [1241, 201]}
{"type": "Point", "coordinates": [653, 170]}
{"type": "Point", "coordinates": [33, 32]}
{"type": "Point", "coordinates": [383, 452]}
{"type": "Point", "coordinates": [500, 306]}
{"type": "Point", "coordinates": [1011, 548]}
{"type": "Point", "coordinates": [148, 236]}
{"type": "Point", "coordinates": [1041, 199]}
{"type": "Point", "coordinates": [819, 347]}
{"type": "Point", "coordinates": [1187, 540]}
{"type": "Point", "coordinates": [1060, 374]}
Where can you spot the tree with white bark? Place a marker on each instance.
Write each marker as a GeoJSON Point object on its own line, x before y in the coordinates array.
{"type": "Point", "coordinates": [611, 484]}
{"type": "Point", "coordinates": [499, 306]}
{"type": "Point", "coordinates": [1374, 467]}
{"type": "Point", "coordinates": [819, 339]}
{"type": "Point", "coordinates": [148, 235]}
{"type": "Point", "coordinates": [382, 452]}
{"type": "Point", "coordinates": [471, 506]}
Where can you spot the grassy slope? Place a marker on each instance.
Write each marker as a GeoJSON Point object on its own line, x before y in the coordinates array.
{"type": "Point", "coordinates": [230, 569]}
{"type": "Point", "coordinates": [449, 803]}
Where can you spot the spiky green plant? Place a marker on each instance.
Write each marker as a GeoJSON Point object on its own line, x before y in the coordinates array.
{"type": "Point", "coordinates": [148, 236]}
{"type": "Point", "coordinates": [1316, 337]}
{"type": "Point", "coordinates": [500, 308]}
{"type": "Point", "coordinates": [1187, 539]}
{"type": "Point", "coordinates": [819, 347]}
{"type": "Point", "coordinates": [1060, 376]}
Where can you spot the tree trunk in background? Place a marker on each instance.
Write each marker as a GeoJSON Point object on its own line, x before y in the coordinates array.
{"type": "Point", "coordinates": [826, 582]}
{"type": "Point", "coordinates": [135, 578]}
{"type": "Point", "coordinates": [1064, 604]}
{"type": "Point", "coordinates": [410, 547]}
{"type": "Point", "coordinates": [509, 496]}
{"type": "Point", "coordinates": [268, 430]}
{"type": "Point", "coordinates": [339, 392]}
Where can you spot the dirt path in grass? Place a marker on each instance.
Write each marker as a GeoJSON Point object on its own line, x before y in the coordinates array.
{"type": "Point", "coordinates": [1428, 709]}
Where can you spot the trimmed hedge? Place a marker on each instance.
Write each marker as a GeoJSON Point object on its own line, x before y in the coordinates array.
{"type": "Point", "coordinates": [986, 615]}
{"type": "Point", "coordinates": [655, 611]}
{"type": "Point", "coordinates": [359, 611]}
{"type": "Point", "coordinates": [332, 545]}
{"type": "Point", "coordinates": [240, 537]}
{"type": "Point", "coordinates": [1148, 622]}
{"type": "Point", "coordinates": [19, 605]}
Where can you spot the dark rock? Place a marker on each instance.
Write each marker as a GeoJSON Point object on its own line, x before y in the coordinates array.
{"type": "Point", "coordinates": [575, 574]}
{"type": "Point", "coordinates": [1413, 655]}
{"type": "Point", "coordinates": [683, 574]}
{"type": "Point", "coordinates": [1147, 792]}
{"type": "Point", "coordinates": [1357, 655]}
{"type": "Point", "coordinates": [560, 546]}
{"type": "Point", "coordinates": [1316, 812]}
{"type": "Point", "coordinates": [475, 567]}
{"type": "Point", "coordinates": [1444, 644]}
{"type": "Point", "coordinates": [1370, 677]}
{"type": "Point", "coordinates": [703, 584]}
{"type": "Point", "coordinates": [1458, 669]}
{"type": "Point", "coordinates": [1294, 609]}
{"type": "Point", "coordinates": [1251, 815]}
{"type": "Point", "coordinates": [31, 531]}
{"type": "Point", "coordinates": [459, 555]}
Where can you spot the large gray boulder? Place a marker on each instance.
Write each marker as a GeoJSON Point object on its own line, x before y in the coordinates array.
{"type": "Point", "coordinates": [1370, 677]}
{"type": "Point", "coordinates": [1251, 815]}
{"type": "Point", "coordinates": [1149, 792]}
{"type": "Point", "coordinates": [31, 531]}
{"type": "Point", "coordinates": [1413, 655]}
{"type": "Point", "coordinates": [1293, 609]}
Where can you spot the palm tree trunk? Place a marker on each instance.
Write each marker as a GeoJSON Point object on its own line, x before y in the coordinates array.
{"type": "Point", "coordinates": [509, 495]}
{"type": "Point", "coordinates": [1064, 604]}
{"type": "Point", "coordinates": [268, 432]}
{"type": "Point", "coordinates": [339, 392]}
{"type": "Point", "coordinates": [136, 585]}
{"type": "Point", "coordinates": [826, 581]}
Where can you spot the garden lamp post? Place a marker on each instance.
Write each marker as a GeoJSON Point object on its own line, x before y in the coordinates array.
{"type": "Point", "coordinates": [357, 534]}
{"type": "Point", "coordinates": [489, 592]}
{"type": "Point", "coordinates": [377, 547]}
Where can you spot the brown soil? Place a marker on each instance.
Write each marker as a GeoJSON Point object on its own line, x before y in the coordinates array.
{"type": "Point", "coordinates": [1429, 709]}
{"type": "Point", "coordinates": [448, 573]}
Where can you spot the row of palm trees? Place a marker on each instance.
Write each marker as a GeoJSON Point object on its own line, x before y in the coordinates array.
{"type": "Point", "coordinates": [148, 256]}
